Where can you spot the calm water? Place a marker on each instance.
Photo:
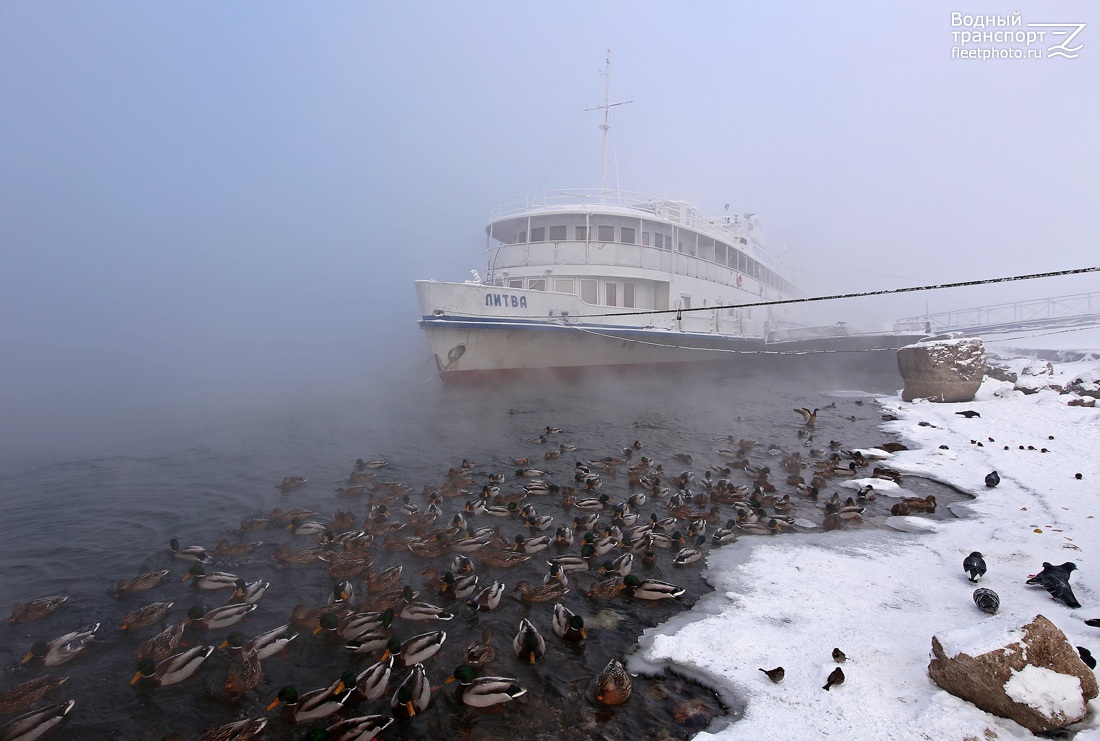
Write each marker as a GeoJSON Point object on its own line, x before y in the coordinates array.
{"type": "Point", "coordinates": [78, 526]}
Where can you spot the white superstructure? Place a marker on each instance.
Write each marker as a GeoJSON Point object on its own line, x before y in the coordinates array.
{"type": "Point", "coordinates": [587, 278]}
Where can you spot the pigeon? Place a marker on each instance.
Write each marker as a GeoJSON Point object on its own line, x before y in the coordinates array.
{"type": "Point", "coordinates": [1087, 657]}
{"type": "Point", "coordinates": [838, 656]}
{"type": "Point", "coordinates": [775, 674]}
{"type": "Point", "coordinates": [992, 479]}
{"type": "Point", "coordinates": [974, 566]}
{"type": "Point", "coordinates": [1094, 622]}
{"type": "Point", "coordinates": [987, 600]}
{"type": "Point", "coordinates": [969, 414]}
{"type": "Point", "coordinates": [1055, 579]}
{"type": "Point", "coordinates": [835, 677]}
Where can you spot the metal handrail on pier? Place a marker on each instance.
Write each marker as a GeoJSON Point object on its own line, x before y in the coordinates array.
{"type": "Point", "coordinates": [1081, 309]}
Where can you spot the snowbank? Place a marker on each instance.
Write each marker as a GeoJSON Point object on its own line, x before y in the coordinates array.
{"type": "Point", "coordinates": [881, 595]}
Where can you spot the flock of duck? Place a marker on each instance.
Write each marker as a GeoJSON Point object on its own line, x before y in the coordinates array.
{"type": "Point", "coordinates": [599, 531]}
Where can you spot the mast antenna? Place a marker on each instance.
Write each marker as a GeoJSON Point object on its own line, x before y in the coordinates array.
{"type": "Point", "coordinates": [606, 125]}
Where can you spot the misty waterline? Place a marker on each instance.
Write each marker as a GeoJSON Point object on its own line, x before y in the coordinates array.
{"type": "Point", "coordinates": [77, 526]}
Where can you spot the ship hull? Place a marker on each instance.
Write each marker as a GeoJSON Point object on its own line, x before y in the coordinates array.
{"type": "Point", "coordinates": [477, 334]}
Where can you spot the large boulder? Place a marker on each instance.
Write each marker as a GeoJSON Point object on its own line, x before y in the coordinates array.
{"type": "Point", "coordinates": [1031, 675]}
{"type": "Point", "coordinates": [942, 369]}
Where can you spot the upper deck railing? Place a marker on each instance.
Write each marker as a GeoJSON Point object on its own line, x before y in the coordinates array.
{"type": "Point", "coordinates": [589, 198]}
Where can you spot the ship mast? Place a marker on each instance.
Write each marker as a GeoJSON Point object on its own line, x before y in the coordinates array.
{"type": "Point", "coordinates": [606, 125]}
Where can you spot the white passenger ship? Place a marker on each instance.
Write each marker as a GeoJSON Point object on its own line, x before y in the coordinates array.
{"type": "Point", "coordinates": [587, 278]}
{"type": "Point", "coordinates": [605, 278]}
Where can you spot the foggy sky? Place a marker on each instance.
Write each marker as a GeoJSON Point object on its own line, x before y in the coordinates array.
{"type": "Point", "coordinates": [209, 200]}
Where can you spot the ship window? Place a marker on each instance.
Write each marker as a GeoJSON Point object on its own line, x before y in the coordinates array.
{"type": "Point", "coordinates": [628, 295]}
{"type": "Point", "coordinates": [515, 283]}
{"type": "Point", "coordinates": [645, 239]}
{"type": "Point", "coordinates": [522, 237]}
{"type": "Point", "coordinates": [609, 292]}
{"type": "Point", "coordinates": [563, 285]}
{"type": "Point", "coordinates": [580, 233]}
{"type": "Point", "coordinates": [626, 234]}
{"type": "Point", "coordinates": [588, 291]}
{"type": "Point", "coordinates": [720, 253]}
{"type": "Point", "coordinates": [538, 234]}
{"type": "Point", "coordinates": [537, 284]}
{"type": "Point", "coordinates": [605, 233]}
{"type": "Point", "coordinates": [557, 233]}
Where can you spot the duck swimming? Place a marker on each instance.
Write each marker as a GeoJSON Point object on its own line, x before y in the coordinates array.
{"type": "Point", "coordinates": [613, 685]}
{"type": "Point", "coordinates": [212, 580]}
{"type": "Point", "coordinates": [145, 616]}
{"type": "Point", "coordinates": [484, 692]}
{"type": "Point", "coordinates": [311, 706]}
{"type": "Point", "coordinates": [36, 609]}
{"type": "Point", "coordinates": [61, 649]}
{"type": "Point", "coordinates": [413, 695]}
{"type": "Point", "coordinates": [140, 583]}
{"type": "Point", "coordinates": [567, 624]}
{"type": "Point", "coordinates": [172, 670]}
{"type": "Point", "coordinates": [528, 644]}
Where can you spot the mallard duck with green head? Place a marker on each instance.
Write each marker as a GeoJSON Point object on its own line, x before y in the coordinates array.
{"type": "Point", "coordinates": [265, 645]}
{"type": "Point", "coordinates": [528, 645]}
{"type": "Point", "coordinates": [567, 624]}
{"type": "Point", "coordinates": [413, 695]}
{"type": "Point", "coordinates": [417, 649]}
{"type": "Point", "coordinates": [63, 648]}
{"type": "Point", "coordinates": [210, 580]}
{"type": "Point", "coordinates": [37, 722]}
{"type": "Point", "coordinates": [371, 683]}
{"type": "Point", "coordinates": [651, 589]}
{"type": "Point", "coordinates": [312, 705]}
{"type": "Point", "coordinates": [457, 587]}
{"type": "Point", "coordinates": [193, 553]}
{"type": "Point", "coordinates": [359, 728]}
{"type": "Point", "coordinates": [172, 670]}
{"type": "Point", "coordinates": [484, 692]}
{"type": "Point", "coordinates": [218, 617]}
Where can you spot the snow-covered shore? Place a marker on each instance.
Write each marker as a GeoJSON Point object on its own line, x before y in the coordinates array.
{"type": "Point", "coordinates": [881, 595]}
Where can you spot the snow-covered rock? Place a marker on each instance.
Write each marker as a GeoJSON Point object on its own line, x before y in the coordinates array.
{"type": "Point", "coordinates": [1032, 675]}
{"type": "Point", "coordinates": [945, 370]}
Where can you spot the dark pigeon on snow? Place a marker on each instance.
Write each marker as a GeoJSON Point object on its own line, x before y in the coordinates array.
{"type": "Point", "coordinates": [974, 566]}
{"type": "Point", "coordinates": [987, 600]}
{"type": "Point", "coordinates": [1055, 579]}
{"type": "Point", "coordinates": [969, 414]}
{"type": "Point", "coordinates": [992, 479]}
